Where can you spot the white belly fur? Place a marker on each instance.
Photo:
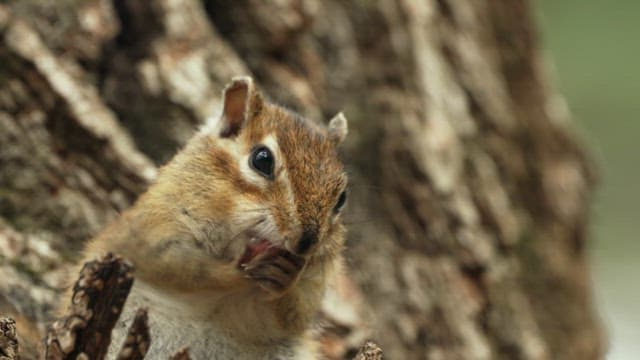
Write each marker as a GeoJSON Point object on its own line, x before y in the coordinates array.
{"type": "Point", "coordinates": [174, 324]}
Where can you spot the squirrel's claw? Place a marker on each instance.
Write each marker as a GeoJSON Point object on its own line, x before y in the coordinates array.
{"type": "Point", "coordinates": [275, 270]}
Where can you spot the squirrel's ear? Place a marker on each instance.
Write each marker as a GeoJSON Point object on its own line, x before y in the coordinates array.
{"type": "Point", "coordinates": [338, 128]}
{"type": "Point", "coordinates": [241, 101]}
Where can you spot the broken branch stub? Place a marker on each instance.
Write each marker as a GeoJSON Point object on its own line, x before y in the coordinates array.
{"type": "Point", "coordinates": [8, 339]}
{"type": "Point", "coordinates": [138, 339]}
{"type": "Point", "coordinates": [98, 298]}
{"type": "Point", "coordinates": [369, 351]}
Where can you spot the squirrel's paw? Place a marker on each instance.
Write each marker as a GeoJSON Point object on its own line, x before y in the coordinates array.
{"type": "Point", "coordinates": [275, 270]}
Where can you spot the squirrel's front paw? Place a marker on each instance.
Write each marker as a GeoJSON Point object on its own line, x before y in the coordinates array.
{"type": "Point", "coordinates": [275, 270]}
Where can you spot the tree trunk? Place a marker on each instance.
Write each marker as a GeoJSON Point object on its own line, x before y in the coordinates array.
{"type": "Point", "coordinates": [469, 192]}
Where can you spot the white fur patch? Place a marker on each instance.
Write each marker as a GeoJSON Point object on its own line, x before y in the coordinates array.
{"type": "Point", "coordinates": [249, 173]}
{"type": "Point", "coordinates": [207, 323]}
{"type": "Point", "coordinates": [338, 127]}
{"type": "Point", "coordinates": [213, 125]}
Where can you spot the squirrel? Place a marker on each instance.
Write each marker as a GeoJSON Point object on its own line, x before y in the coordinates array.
{"type": "Point", "coordinates": [236, 241]}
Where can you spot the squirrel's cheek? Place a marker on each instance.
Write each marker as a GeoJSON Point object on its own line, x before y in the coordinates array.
{"type": "Point", "coordinates": [218, 205]}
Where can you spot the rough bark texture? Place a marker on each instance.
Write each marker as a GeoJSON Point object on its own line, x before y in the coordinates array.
{"type": "Point", "coordinates": [469, 197]}
{"type": "Point", "coordinates": [9, 346]}
{"type": "Point", "coordinates": [138, 339]}
{"type": "Point", "coordinates": [369, 351]}
{"type": "Point", "coordinates": [96, 303]}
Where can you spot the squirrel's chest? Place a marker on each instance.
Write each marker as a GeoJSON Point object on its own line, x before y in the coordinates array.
{"type": "Point", "coordinates": [174, 325]}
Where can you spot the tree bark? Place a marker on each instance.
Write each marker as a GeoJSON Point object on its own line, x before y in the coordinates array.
{"type": "Point", "coordinates": [469, 203]}
{"type": "Point", "coordinates": [138, 339]}
{"type": "Point", "coordinates": [9, 346]}
{"type": "Point", "coordinates": [96, 303]}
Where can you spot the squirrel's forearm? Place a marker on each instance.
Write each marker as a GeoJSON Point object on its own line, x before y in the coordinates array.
{"type": "Point", "coordinates": [174, 265]}
{"type": "Point", "coordinates": [163, 255]}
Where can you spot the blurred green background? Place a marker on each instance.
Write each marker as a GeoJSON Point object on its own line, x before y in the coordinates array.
{"type": "Point", "coordinates": [595, 46]}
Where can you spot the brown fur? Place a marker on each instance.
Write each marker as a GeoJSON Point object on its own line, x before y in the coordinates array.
{"type": "Point", "coordinates": [183, 234]}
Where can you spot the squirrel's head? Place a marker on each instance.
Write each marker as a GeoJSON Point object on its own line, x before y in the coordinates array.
{"type": "Point", "coordinates": [276, 178]}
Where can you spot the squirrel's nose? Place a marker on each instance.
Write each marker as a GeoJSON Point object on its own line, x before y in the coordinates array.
{"type": "Point", "coordinates": [307, 240]}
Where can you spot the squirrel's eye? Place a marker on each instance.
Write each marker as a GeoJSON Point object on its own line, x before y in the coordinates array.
{"type": "Point", "coordinates": [262, 161]}
{"type": "Point", "coordinates": [341, 200]}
